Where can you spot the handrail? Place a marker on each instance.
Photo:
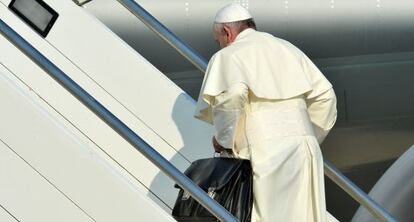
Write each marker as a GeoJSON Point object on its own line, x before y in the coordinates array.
{"type": "Point", "coordinates": [116, 124]}
{"type": "Point", "coordinates": [355, 192]}
{"type": "Point", "coordinates": [164, 33]}
{"type": "Point", "coordinates": [191, 55]}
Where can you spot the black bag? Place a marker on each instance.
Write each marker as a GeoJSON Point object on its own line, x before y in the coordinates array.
{"type": "Point", "coordinates": [229, 181]}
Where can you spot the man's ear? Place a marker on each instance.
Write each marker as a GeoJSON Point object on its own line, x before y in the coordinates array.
{"type": "Point", "coordinates": [230, 34]}
{"type": "Point", "coordinates": [227, 31]}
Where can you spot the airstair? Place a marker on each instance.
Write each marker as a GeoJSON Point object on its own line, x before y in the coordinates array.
{"type": "Point", "coordinates": [77, 104]}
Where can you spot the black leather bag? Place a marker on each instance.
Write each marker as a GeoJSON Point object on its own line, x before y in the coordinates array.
{"type": "Point", "coordinates": [229, 181]}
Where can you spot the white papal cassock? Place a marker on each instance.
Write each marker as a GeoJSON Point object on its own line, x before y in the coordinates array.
{"type": "Point", "coordinates": [270, 104]}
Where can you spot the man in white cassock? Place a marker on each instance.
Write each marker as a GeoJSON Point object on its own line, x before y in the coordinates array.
{"type": "Point", "coordinates": [269, 103]}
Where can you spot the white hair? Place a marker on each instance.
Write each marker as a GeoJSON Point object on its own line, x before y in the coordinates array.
{"type": "Point", "coordinates": [237, 25]}
{"type": "Point", "coordinates": [218, 27]}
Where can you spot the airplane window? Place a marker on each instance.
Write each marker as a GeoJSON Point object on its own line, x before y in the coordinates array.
{"type": "Point", "coordinates": [36, 13]}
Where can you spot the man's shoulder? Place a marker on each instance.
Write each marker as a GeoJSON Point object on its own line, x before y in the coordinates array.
{"type": "Point", "coordinates": [223, 56]}
{"type": "Point", "coordinates": [275, 39]}
{"type": "Point", "coordinates": [286, 44]}
{"type": "Point", "coordinates": [256, 42]}
{"type": "Point", "coordinates": [227, 52]}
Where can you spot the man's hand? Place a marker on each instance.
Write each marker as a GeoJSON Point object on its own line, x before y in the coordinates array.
{"type": "Point", "coordinates": [217, 147]}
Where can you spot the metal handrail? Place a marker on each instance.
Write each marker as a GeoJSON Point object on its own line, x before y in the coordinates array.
{"type": "Point", "coordinates": [164, 33]}
{"type": "Point", "coordinates": [191, 55]}
{"type": "Point", "coordinates": [116, 124]}
{"type": "Point", "coordinates": [355, 192]}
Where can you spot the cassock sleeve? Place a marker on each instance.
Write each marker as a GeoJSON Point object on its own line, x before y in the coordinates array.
{"type": "Point", "coordinates": [322, 112]}
{"type": "Point", "coordinates": [321, 100]}
{"type": "Point", "coordinates": [228, 107]}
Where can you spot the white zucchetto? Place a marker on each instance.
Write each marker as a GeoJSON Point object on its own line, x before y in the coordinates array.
{"type": "Point", "coordinates": [231, 13]}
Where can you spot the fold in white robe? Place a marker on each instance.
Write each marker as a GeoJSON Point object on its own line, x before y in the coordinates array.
{"type": "Point", "coordinates": [270, 104]}
{"type": "Point", "coordinates": [279, 138]}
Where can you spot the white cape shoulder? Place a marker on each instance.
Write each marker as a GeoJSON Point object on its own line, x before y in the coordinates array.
{"type": "Point", "coordinates": [272, 68]}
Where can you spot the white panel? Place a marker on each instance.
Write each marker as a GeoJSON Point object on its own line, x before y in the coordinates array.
{"type": "Point", "coordinates": [67, 159]}
{"type": "Point", "coordinates": [133, 81]}
{"type": "Point", "coordinates": [6, 217]}
{"type": "Point", "coordinates": [87, 122]}
{"type": "Point", "coordinates": [5, 2]}
{"type": "Point", "coordinates": [28, 196]}
{"type": "Point", "coordinates": [123, 81]}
